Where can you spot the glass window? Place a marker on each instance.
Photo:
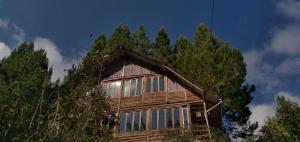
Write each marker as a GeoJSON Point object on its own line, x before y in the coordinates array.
{"type": "Point", "coordinates": [176, 118]}
{"type": "Point", "coordinates": [143, 120]}
{"type": "Point", "coordinates": [148, 85]}
{"type": "Point", "coordinates": [122, 122]}
{"type": "Point", "coordinates": [136, 121]}
{"type": "Point", "coordinates": [185, 117]}
{"type": "Point", "coordinates": [117, 89]}
{"type": "Point", "coordinates": [161, 118]}
{"type": "Point", "coordinates": [111, 88]}
{"type": "Point", "coordinates": [139, 87]}
{"type": "Point", "coordinates": [169, 118]}
{"type": "Point", "coordinates": [155, 84]}
{"type": "Point", "coordinates": [126, 88]}
{"type": "Point", "coordinates": [161, 83]}
{"type": "Point", "coordinates": [132, 87]}
{"type": "Point", "coordinates": [154, 119]}
{"type": "Point", "coordinates": [129, 122]}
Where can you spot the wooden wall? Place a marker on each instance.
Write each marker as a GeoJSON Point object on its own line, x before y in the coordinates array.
{"type": "Point", "coordinates": [175, 94]}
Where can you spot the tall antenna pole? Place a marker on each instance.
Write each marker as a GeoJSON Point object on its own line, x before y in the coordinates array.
{"type": "Point", "coordinates": [212, 16]}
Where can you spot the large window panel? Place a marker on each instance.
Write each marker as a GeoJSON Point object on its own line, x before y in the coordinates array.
{"type": "Point", "coordinates": [132, 87]}
{"type": "Point", "coordinates": [155, 84]}
{"type": "Point", "coordinates": [129, 122]}
{"type": "Point", "coordinates": [117, 89]}
{"type": "Point", "coordinates": [136, 121]}
{"type": "Point", "coordinates": [161, 83]}
{"type": "Point", "coordinates": [139, 87]}
{"type": "Point", "coordinates": [154, 119]}
{"type": "Point", "coordinates": [169, 118]}
{"type": "Point", "coordinates": [176, 118]}
{"type": "Point", "coordinates": [148, 85]}
{"type": "Point", "coordinates": [122, 122]}
{"type": "Point", "coordinates": [143, 120]}
{"type": "Point", "coordinates": [185, 117]}
{"type": "Point", "coordinates": [126, 88]}
{"type": "Point", "coordinates": [161, 118]}
{"type": "Point", "coordinates": [111, 88]}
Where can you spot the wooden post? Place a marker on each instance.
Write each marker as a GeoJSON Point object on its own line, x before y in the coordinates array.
{"type": "Point", "coordinates": [120, 95]}
{"type": "Point", "coordinates": [206, 119]}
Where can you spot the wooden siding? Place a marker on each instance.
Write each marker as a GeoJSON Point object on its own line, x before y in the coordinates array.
{"type": "Point", "coordinates": [174, 95]}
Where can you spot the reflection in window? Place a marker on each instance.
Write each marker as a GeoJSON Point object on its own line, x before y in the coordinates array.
{"type": "Point", "coordinates": [122, 122]}
{"type": "Point", "coordinates": [136, 121]}
{"type": "Point", "coordinates": [117, 89]}
{"type": "Point", "coordinates": [161, 118]}
{"type": "Point", "coordinates": [148, 85]}
{"type": "Point", "coordinates": [111, 89]}
{"type": "Point", "coordinates": [169, 118]}
{"type": "Point", "coordinates": [129, 122]}
{"type": "Point", "coordinates": [176, 118]}
{"type": "Point", "coordinates": [126, 88]}
{"type": "Point", "coordinates": [161, 84]}
{"type": "Point", "coordinates": [155, 84]}
{"type": "Point", "coordinates": [143, 120]}
{"type": "Point", "coordinates": [185, 117]}
{"type": "Point", "coordinates": [139, 87]}
{"type": "Point", "coordinates": [114, 89]}
{"type": "Point", "coordinates": [132, 88]}
{"type": "Point", "coordinates": [154, 119]}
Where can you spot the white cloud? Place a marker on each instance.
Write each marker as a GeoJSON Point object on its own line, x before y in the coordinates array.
{"type": "Point", "coordinates": [261, 112]}
{"type": "Point", "coordinates": [13, 33]}
{"type": "Point", "coordinates": [283, 48]}
{"type": "Point", "coordinates": [289, 8]}
{"type": "Point", "coordinates": [286, 40]}
{"type": "Point", "coordinates": [260, 72]}
{"type": "Point", "coordinates": [4, 50]}
{"type": "Point", "coordinates": [56, 60]}
{"type": "Point", "coordinates": [4, 23]}
{"type": "Point", "coordinates": [289, 66]}
{"type": "Point", "coordinates": [16, 35]}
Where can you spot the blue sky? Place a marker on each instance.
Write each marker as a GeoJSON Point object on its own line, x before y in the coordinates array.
{"type": "Point", "coordinates": [267, 31]}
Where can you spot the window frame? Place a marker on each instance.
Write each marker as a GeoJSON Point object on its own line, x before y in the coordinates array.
{"type": "Point", "coordinates": [183, 117]}
{"type": "Point", "coordinates": [107, 89]}
{"type": "Point", "coordinates": [158, 77]}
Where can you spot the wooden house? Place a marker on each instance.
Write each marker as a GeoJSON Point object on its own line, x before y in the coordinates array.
{"type": "Point", "coordinates": [148, 98]}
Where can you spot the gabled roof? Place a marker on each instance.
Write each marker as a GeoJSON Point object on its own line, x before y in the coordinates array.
{"type": "Point", "coordinates": [127, 53]}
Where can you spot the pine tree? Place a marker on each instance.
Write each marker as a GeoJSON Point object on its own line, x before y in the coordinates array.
{"type": "Point", "coordinates": [201, 36]}
{"type": "Point", "coordinates": [24, 97]}
{"type": "Point", "coordinates": [120, 38]}
{"type": "Point", "coordinates": [162, 48]}
{"type": "Point", "coordinates": [140, 41]}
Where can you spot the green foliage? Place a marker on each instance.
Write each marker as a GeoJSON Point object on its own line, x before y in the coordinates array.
{"type": "Point", "coordinates": [140, 41]}
{"type": "Point", "coordinates": [121, 37]}
{"type": "Point", "coordinates": [24, 87]}
{"type": "Point", "coordinates": [162, 48]}
{"type": "Point", "coordinates": [285, 126]}
{"type": "Point", "coordinates": [178, 136]}
{"type": "Point", "coordinates": [219, 135]}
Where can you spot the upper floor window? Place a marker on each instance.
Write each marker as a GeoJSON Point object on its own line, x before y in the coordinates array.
{"type": "Point", "coordinates": [133, 87]}
{"type": "Point", "coordinates": [114, 88]}
{"type": "Point", "coordinates": [155, 84]}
